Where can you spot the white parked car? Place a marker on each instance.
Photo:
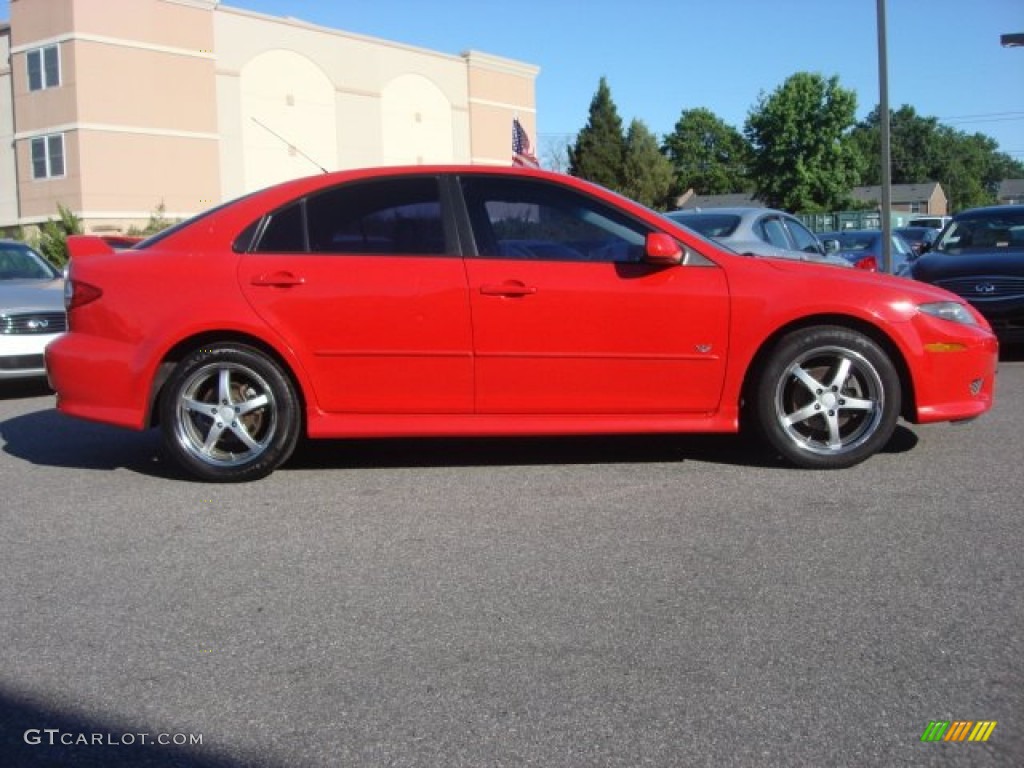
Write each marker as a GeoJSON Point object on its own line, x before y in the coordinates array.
{"type": "Point", "coordinates": [31, 310]}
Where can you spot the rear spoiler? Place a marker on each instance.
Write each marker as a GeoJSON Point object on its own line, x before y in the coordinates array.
{"type": "Point", "coordinates": [84, 246]}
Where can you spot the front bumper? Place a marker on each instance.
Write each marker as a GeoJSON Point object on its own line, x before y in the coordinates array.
{"type": "Point", "coordinates": [954, 370]}
{"type": "Point", "coordinates": [21, 356]}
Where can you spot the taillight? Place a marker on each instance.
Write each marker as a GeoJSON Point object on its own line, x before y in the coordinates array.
{"type": "Point", "coordinates": [78, 294]}
{"type": "Point", "coordinates": [869, 263]}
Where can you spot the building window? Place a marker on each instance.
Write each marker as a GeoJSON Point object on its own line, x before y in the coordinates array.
{"type": "Point", "coordinates": [43, 68]}
{"type": "Point", "coordinates": [48, 156]}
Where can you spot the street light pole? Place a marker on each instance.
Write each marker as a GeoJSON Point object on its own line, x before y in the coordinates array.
{"type": "Point", "coordinates": [883, 125]}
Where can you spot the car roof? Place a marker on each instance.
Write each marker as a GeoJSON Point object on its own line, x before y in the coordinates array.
{"type": "Point", "coordinates": [735, 211]}
{"type": "Point", "coordinates": [990, 210]}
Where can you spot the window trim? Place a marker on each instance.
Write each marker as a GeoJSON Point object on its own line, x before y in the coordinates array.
{"type": "Point", "coordinates": [48, 156]}
{"type": "Point", "coordinates": [40, 54]}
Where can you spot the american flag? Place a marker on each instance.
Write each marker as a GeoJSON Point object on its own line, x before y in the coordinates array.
{"type": "Point", "coordinates": [522, 150]}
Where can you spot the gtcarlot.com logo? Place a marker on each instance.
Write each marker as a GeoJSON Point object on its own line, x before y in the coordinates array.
{"type": "Point", "coordinates": [54, 736]}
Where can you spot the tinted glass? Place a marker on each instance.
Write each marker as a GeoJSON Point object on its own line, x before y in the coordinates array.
{"type": "Point", "coordinates": [985, 232]}
{"type": "Point", "coordinates": [19, 262]}
{"type": "Point", "coordinates": [771, 230]}
{"type": "Point", "coordinates": [709, 224]}
{"type": "Point", "coordinates": [528, 219]}
{"type": "Point", "coordinates": [856, 241]}
{"type": "Point", "coordinates": [804, 239]}
{"type": "Point", "coordinates": [285, 231]}
{"type": "Point", "coordinates": [398, 216]}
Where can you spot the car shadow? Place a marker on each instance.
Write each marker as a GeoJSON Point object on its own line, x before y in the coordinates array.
{"type": "Point", "coordinates": [48, 438]}
{"type": "Point", "coordinates": [22, 389]}
{"type": "Point", "coordinates": [1011, 353]}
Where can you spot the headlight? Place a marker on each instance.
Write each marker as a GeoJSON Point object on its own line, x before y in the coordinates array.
{"type": "Point", "coordinates": [953, 311]}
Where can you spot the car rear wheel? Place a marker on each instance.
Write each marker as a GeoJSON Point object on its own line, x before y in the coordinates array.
{"type": "Point", "coordinates": [828, 398]}
{"type": "Point", "coordinates": [229, 414]}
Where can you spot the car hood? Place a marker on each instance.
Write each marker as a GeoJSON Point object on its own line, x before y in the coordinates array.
{"type": "Point", "coordinates": [937, 265]}
{"type": "Point", "coordinates": [885, 286]}
{"type": "Point", "coordinates": [764, 250]}
{"type": "Point", "coordinates": [32, 295]}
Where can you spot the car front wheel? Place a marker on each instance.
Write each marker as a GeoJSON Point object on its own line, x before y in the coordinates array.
{"type": "Point", "coordinates": [828, 398]}
{"type": "Point", "coordinates": [229, 414]}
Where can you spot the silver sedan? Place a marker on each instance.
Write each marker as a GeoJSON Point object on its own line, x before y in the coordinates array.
{"type": "Point", "coordinates": [757, 232]}
{"type": "Point", "coordinates": [31, 310]}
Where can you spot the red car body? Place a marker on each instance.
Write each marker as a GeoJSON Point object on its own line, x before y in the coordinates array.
{"type": "Point", "coordinates": [468, 339]}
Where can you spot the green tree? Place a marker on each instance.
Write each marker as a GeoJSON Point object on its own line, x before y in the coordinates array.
{"type": "Point", "coordinates": [53, 236]}
{"type": "Point", "coordinates": [158, 222]}
{"type": "Point", "coordinates": [968, 166]}
{"type": "Point", "coordinates": [708, 155]}
{"type": "Point", "coordinates": [802, 158]}
{"type": "Point", "coordinates": [913, 147]}
{"type": "Point", "coordinates": [599, 152]}
{"type": "Point", "coordinates": [647, 173]}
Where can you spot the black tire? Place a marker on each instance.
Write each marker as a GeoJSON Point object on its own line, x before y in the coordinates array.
{"type": "Point", "coordinates": [229, 413]}
{"type": "Point", "coordinates": [828, 398]}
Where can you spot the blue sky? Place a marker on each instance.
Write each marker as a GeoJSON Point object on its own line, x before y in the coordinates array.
{"type": "Point", "coordinates": [663, 56]}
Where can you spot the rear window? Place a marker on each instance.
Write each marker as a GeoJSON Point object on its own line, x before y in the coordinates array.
{"type": "Point", "coordinates": [853, 241]}
{"type": "Point", "coordinates": [709, 224]}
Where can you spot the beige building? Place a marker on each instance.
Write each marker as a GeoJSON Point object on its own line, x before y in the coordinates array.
{"type": "Point", "coordinates": [113, 108]}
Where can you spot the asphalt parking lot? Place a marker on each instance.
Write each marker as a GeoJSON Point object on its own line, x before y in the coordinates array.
{"type": "Point", "coordinates": [557, 602]}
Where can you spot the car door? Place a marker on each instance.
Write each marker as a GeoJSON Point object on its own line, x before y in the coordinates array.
{"type": "Point", "coordinates": [567, 319]}
{"type": "Point", "coordinates": [365, 284]}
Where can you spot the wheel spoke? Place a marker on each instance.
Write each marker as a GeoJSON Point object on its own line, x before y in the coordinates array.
{"type": "Point", "coordinates": [212, 437]}
{"type": "Point", "coordinates": [835, 438]}
{"type": "Point", "coordinates": [248, 406]}
{"type": "Point", "coordinates": [805, 378]}
{"type": "Point", "coordinates": [858, 404]}
{"type": "Point", "coordinates": [842, 373]}
{"type": "Point", "coordinates": [224, 386]}
{"type": "Point", "coordinates": [239, 430]}
{"type": "Point", "coordinates": [803, 414]}
{"type": "Point", "coordinates": [195, 406]}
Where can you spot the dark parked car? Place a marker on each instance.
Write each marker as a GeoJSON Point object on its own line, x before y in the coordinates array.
{"type": "Point", "coordinates": [980, 256]}
{"type": "Point", "coordinates": [863, 249]}
{"type": "Point", "coordinates": [920, 239]}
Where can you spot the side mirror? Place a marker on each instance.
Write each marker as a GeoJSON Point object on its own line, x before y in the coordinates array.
{"type": "Point", "coordinates": [831, 246]}
{"type": "Point", "coordinates": [662, 249]}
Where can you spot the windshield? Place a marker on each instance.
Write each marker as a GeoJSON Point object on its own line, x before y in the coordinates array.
{"type": "Point", "coordinates": [19, 262]}
{"type": "Point", "coordinates": [988, 231]}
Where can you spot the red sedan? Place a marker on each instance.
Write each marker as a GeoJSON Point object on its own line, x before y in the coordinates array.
{"type": "Point", "coordinates": [489, 301]}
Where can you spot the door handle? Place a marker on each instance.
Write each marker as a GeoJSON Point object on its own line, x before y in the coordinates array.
{"type": "Point", "coordinates": [510, 288]}
{"type": "Point", "coordinates": [279, 279]}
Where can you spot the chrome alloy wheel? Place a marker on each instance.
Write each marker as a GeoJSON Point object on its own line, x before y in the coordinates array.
{"type": "Point", "coordinates": [829, 400]}
{"type": "Point", "coordinates": [226, 414]}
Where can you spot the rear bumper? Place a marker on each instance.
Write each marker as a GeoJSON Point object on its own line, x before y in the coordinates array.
{"type": "Point", "coordinates": [94, 380]}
